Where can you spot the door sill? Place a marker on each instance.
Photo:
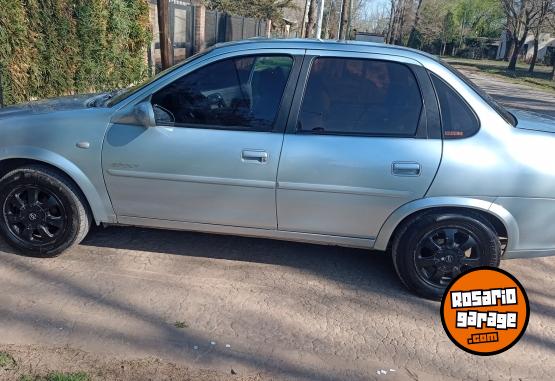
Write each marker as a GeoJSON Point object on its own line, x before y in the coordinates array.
{"type": "Point", "coordinates": [321, 239]}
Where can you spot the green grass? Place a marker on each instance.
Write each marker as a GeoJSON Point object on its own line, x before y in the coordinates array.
{"type": "Point", "coordinates": [540, 78]}
{"type": "Point", "coordinates": [6, 361]}
{"type": "Point", "coordinates": [57, 376]}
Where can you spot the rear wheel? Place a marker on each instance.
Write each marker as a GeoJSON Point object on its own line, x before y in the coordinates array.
{"type": "Point", "coordinates": [432, 249]}
{"type": "Point", "coordinates": [43, 214]}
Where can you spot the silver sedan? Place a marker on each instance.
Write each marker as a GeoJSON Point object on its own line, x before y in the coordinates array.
{"type": "Point", "coordinates": [351, 144]}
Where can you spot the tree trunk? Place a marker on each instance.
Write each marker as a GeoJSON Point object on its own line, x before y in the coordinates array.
{"type": "Point", "coordinates": [401, 22]}
{"type": "Point", "coordinates": [517, 46]}
{"type": "Point", "coordinates": [509, 49]}
{"type": "Point", "coordinates": [390, 28]}
{"type": "Point", "coordinates": [396, 21]}
{"type": "Point", "coordinates": [535, 55]}
{"type": "Point", "coordinates": [412, 36]}
{"type": "Point", "coordinates": [311, 19]}
{"type": "Point", "coordinates": [166, 51]}
{"type": "Point", "coordinates": [553, 64]}
{"type": "Point", "coordinates": [345, 16]}
{"type": "Point", "coordinates": [303, 23]}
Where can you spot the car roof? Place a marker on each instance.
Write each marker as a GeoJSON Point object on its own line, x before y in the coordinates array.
{"type": "Point", "coordinates": [317, 44]}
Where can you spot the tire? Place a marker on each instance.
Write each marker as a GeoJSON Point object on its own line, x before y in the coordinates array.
{"type": "Point", "coordinates": [42, 213]}
{"type": "Point", "coordinates": [430, 249]}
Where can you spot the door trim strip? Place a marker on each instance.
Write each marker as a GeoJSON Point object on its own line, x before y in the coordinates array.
{"type": "Point", "coordinates": [194, 179]}
{"type": "Point", "coordinates": [343, 189]}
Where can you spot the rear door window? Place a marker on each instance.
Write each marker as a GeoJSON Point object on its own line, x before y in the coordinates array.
{"type": "Point", "coordinates": [350, 96]}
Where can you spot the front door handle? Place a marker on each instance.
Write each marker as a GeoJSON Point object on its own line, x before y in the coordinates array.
{"type": "Point", "coordinates": [254, 156]}
{"type": "Point", "coordinates": [405, 168]}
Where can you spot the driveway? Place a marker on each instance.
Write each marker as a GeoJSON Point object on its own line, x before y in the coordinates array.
{"type": "Point", "coordinates": [284, 310]}
{"type": "Point", "coordinates": [270, 309]}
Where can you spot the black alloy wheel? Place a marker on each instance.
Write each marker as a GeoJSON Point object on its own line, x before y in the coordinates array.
{"type": "Point", "coordinates": [34, 215]}
{"type": "Point", "coordinates": [444, 253]}
{"type": "Point", "coordinates": [43, 212]}
{"type": "Point", "coordinates": [430, 249]}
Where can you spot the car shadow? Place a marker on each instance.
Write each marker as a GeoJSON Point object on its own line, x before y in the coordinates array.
{"type": "Point", "coordinates": [359, 267]}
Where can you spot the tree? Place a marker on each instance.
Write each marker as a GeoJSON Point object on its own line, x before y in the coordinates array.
{"type": "Point", "coordinates": [345, 16]}
{"type": "Point", "coordinates": [261, 9]}
{"type": "Point", "coordinates": [399, 12]}
{"type": "Point", "coordinates": [448, 31]}
{"type": "Point", "coordinates": [547, 7]}
{"type": "Point", "coordinates": [435, 24]}
{"type": "Point", "coordinates": [311, 19]}
{"type": "Point", "coordinates": [413, 31]}
{"type": "Point", "coordinates": [521, 16]}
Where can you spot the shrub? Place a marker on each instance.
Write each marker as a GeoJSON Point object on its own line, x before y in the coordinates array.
{"type": "Point", "coordinates": [57, 47]}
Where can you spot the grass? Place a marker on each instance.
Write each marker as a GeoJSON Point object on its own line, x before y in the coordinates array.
{"type": "Point", "coordinates": [57, 376]}
{"type": "Point", "coordinates": [540, 78]}
{"type": "Point", "coordinates": [6, 361]}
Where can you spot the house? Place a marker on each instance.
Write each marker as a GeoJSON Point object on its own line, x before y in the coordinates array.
{"type": "Point", "coordinates": [369, 37]}
{"type": "Point", "coordinates": [546, 47]}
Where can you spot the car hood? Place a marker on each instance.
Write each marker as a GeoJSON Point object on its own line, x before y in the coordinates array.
{"type": "Point", "coordinates": [528, 120]}
{"type": "Point", "coordinates": [73, 102]}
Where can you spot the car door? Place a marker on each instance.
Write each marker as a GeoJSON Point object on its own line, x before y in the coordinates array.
{"type": "Point", "coordinates": [362, 140]}
{"type": "Point", "coordinates": [212, 157]}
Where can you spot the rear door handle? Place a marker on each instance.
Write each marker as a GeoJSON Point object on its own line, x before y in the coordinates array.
{"type": "Point", "coordinates": [254, 156]}
{"type": "Point", "coordinates": [405, 168]}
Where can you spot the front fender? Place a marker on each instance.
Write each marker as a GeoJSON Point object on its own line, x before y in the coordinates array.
{"type": "Point", "coordinates": [386, 231]}
{"type": "Point", "coordinates": [99, 203]}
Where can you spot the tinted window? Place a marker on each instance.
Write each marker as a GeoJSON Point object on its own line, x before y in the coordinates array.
{"type": "Point", "coordinates": [357, 96]}
{"type": "Point", "coordinates": [457, 118]}
{"type": "Point", "coordinates": [239, 93]}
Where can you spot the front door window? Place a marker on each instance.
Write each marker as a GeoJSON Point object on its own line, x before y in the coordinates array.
{"type": "Point", "coordinates": [241, 93]}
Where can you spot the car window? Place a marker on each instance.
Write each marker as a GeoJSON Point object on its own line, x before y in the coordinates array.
{"type": "Point", "coordinates": [360, 97]}
{"type": "Point", "coordinates": [457, 118]}
{"type": "Point", "coordinates": [238, 93]}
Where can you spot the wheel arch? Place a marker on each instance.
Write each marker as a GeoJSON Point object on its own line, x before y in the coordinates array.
{"type": "Point", "coordinates": [32, 155]}
{"type": "Point", "coordinates": [501, 219]}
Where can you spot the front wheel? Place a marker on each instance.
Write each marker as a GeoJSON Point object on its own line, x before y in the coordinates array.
{"type": "Point", "coordinates": [431, 249]}
{"type": "Point", "coordinates": [43, 213]}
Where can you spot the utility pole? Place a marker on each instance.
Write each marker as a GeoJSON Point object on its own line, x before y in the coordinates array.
{"type": "Point", "coordinates": [166, 53]}
{"type": "Point", "coordinates": [321, 4]}
{"type": "Point", "coordinates": [345, 19]}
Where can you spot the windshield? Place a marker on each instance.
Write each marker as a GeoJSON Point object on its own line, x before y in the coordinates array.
{"type": "Point", "coordinates": [119, 95]}
{"type": "Point", "coordinates": [502, 111]}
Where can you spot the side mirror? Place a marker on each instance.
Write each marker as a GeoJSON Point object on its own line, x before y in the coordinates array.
{"type": "Point", "coordinates": [144, 114]}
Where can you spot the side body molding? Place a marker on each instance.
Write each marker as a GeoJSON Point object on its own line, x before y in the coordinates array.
{"type": "Point", "coordinates": [406, 210]}
{"type": "Point", "coordinates": [100, 204]}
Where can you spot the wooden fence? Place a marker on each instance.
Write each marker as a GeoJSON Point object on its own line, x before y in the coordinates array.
{"type": "Point", "coordinates": [192, 28]}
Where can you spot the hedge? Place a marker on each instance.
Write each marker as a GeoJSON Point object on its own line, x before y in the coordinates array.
{"type": "Point", "coordinates": [57, 47]}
